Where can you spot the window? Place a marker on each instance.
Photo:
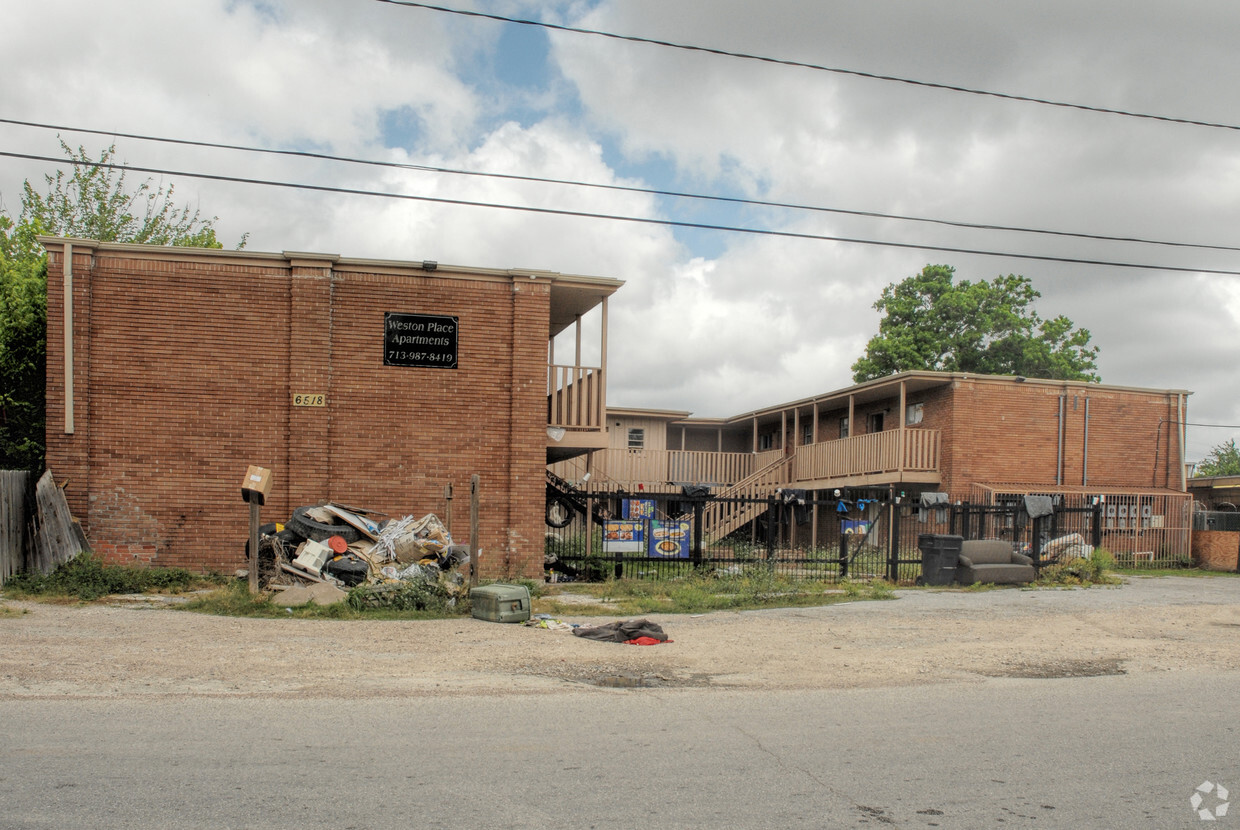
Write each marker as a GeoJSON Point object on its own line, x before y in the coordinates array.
{"type": "Point", "coordinates": [807, 433]}
{"type": "Point", "coordinates": [766, 442]}
{"type": "Point", "coordinates": [637, 438]}
{"type": "Point", "coordinates": [844, 427]}
{"type": "Point", "coordinates": [875, 422]}
{"type": "Point", "coordinates": [912, 414]}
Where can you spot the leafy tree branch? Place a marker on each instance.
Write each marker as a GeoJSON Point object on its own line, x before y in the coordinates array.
{"type": "Point", "coordinates": [932, 322]}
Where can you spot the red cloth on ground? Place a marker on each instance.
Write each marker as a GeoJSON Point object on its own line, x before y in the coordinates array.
{"type": "Point", "coordinates": [645, 641]}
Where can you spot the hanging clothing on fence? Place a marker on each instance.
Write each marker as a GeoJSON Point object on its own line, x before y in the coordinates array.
{"type": "Point", "coordinates": [932, 500]}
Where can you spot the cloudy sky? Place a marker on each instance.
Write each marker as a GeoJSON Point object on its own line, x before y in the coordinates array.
{"type": "Point", "coordinates": [710, 321]}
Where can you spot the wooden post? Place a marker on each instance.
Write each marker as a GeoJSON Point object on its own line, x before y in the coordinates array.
{"type": "Point", "coordinates": [254, 507]}
{"type": "Point", "coordinates": [447, 494]}
{"type": "Point", "coordinates": [813, 528]}
{"type": "Point", "coordinates": [474, 550]}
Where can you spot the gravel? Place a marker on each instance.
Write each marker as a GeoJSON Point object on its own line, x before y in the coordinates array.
{"type": "Point", "coordinates": [137, 648]}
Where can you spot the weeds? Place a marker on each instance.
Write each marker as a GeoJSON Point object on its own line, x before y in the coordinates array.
{"type": "Point", "coordinates": [235, 600]}
{"type": "Point", "coordinates": [410, 595]}
{"type": "Point", "coordinates": [87, 578]}
{"type": "Point", "coordinates": [1094, 569]}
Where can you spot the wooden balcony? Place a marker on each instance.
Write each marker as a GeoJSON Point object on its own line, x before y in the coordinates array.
{"type": "Point", "coordinates": [892, 457]}
{"type": "Point", "coordinates": [576, 410]}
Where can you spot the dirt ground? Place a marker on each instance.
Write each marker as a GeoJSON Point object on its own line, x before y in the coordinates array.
{"type": "Point", "coordinates": [128, 648]}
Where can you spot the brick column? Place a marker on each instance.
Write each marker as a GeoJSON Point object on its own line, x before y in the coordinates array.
{"type": "Point", "coordinates": [310, 373]}
{"type": "Point", "coordinates": [527, 445]}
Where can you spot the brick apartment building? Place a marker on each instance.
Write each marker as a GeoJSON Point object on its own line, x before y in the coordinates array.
{"type": "Point", "coordinates": [979, 439]}
{"type": "Point", "coordinates": [372, 383]}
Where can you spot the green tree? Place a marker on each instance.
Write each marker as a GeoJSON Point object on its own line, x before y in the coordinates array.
{"type": "Point", "coordinates": [1223, 460]}
{"type": "Point", "coordinates": [931, 322]}
{"type": "Point", "coordinates": [91, 203]}
{"type": "Point", "coordinates": [23, 342]}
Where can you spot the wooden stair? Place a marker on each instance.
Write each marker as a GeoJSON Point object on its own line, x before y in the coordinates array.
{"type": "Point", "coordinates": [721, 517]}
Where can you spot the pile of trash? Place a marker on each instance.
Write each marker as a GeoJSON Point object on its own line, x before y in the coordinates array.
{"type": "Point", "coordinates": [349, 547]}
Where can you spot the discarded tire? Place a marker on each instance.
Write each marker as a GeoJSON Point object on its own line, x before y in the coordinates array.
{"type": "Point", "coordinates": [349, 569]}
{"type": "Point", "coordinates": [559, 512]}
{"type": "Point", "coordinates": [308, 528]}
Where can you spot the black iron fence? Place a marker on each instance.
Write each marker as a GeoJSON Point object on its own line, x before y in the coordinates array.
{"type": "Point", "coordinates": [868, 536]}
{"type": "Point", "coordinates": [1216, 520]}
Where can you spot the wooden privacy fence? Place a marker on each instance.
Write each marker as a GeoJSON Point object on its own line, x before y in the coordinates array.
{"type": "Point", "coordinates": [14, 485]}
{"type": "Point", "coordinates": [39, 533]}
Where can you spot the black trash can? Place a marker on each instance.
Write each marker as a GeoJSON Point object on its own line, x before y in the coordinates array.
{"type": "Point", "coordinates": [939, 555]}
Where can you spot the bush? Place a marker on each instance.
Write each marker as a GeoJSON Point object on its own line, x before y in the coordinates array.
{"type": "Point", "coordinates": [86, 577]}
{"type": "Point", "coordinates": [1091, 570]}
{"type": "Point", "coordinates": [408, 595]}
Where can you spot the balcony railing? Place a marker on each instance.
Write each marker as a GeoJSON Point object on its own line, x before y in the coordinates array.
{"type": "Point", "coordinates": [893, 451]}
{"type": "Point", "coordinates": [678, 466]}
{"type": "Point", "coordinates": [879, 454]}
{"type": "Point", "coordinates": [575, 399]}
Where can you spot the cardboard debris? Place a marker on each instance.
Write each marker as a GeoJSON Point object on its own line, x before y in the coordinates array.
{"type": "Point", "coordinates": [366, 526]}
{"type": "Point", "coordinates": [398, 552]}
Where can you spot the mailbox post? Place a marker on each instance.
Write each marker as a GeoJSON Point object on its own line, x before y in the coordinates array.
{"type": "Point", "coordinates": [254, 490]}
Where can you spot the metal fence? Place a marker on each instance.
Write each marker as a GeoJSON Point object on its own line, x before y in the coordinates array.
{"type": "Point", "coordinates": [1216, 520]}
{"type": "Point", "coordinates": [869, 536]}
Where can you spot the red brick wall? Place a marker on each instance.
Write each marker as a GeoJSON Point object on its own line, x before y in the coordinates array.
{"type": "Point", "coordinates": [186, 364]}
{"type": "Point", "coordinates": [1002, 431]}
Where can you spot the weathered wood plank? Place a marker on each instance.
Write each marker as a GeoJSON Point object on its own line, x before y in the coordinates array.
{"type": "Point", "coordinates": [58, 537]}
{"type": "Point", "coordinates": [13, 520]}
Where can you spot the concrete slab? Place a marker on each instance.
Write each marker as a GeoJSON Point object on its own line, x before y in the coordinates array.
{"type": "Point", "coordinates": [319, 594]}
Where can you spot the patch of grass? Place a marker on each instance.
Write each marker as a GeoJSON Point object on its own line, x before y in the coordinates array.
{"type": "Point", "coordinates": [981, 587]}
{"type": "Point", "coordinates": [1194, 572]}
{"type": "Point", "coordinates": [699, 594]}
{"type": "Point", "coordinates": [86, 577]}
{"type": "Point", "coordinates": [10, 611]}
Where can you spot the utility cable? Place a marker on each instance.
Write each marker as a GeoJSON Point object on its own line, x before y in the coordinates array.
{"type": "Point", "coordinates": [814, 66]}
{"type": "Point", "coordinates": [621, 188]}
{"type": "Point", "coordinates": [617, 217]}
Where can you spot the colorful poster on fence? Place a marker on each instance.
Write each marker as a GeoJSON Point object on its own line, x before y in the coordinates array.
{"type": "Point", "coordinates": [622, 536]}
{"type": "Point", "coordinates": [670, 538]}
{"type": "Point", "coordinates": [855, 527]}
{"type": "Point", "coordinates": [639, 508]}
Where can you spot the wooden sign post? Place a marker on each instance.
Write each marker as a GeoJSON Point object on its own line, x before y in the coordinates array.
{"type": "Point", "coordinates": [254, 489]}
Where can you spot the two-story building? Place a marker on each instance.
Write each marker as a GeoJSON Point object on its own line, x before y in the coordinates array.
{"type": "Point", "coordinates": [980, 439]}
{"type": "Point", "coordinates": [379, 384]}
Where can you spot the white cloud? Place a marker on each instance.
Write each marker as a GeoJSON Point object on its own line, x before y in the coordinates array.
{"type": "Point", "coordinates": [714, 323]}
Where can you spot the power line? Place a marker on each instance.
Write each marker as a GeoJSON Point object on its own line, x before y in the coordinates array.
{"type": "Point", "coordinates": [617, 217]}
{"type": "Point", "coordinates": [624, 188]}
{"type": "Point", "coordinates": [814, 66]}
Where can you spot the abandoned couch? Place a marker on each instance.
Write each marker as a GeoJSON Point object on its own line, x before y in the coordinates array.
{"type": "Point", "coordinates": [993, 560]}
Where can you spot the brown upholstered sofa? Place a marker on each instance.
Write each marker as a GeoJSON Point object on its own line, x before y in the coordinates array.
{"type": "Point", "coordinates": [993, 560]}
